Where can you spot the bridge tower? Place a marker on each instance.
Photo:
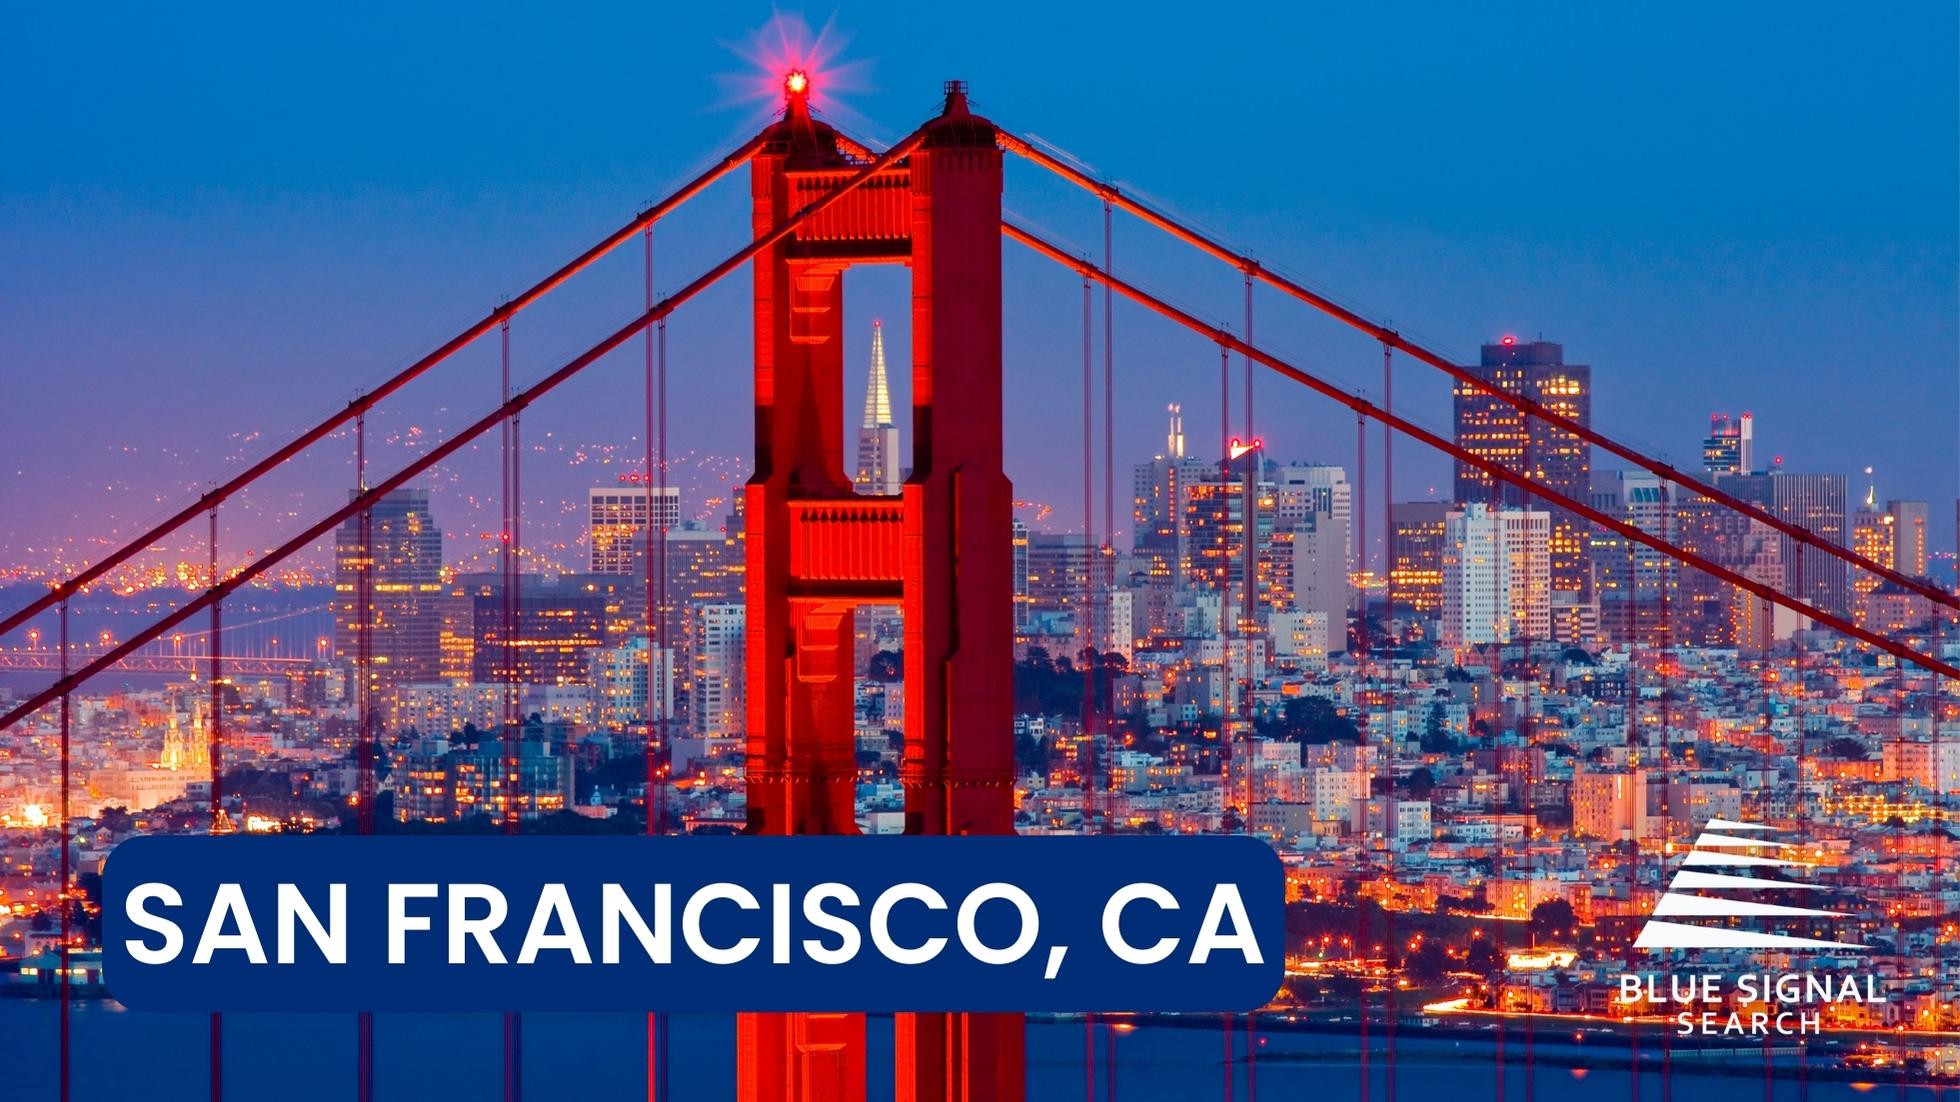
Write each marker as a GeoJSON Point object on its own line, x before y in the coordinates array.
{"type": "Point", "coordinates": [940, 550]}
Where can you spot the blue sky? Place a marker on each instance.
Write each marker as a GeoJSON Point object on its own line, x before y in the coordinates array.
{"type": "Point", "coordinates": [222, 222]}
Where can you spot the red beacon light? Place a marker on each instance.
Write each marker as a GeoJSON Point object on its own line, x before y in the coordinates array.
{"type": "Point", "coordinates": [797, 82]}
{"type": "Point", "coordinates": [1509, 341]}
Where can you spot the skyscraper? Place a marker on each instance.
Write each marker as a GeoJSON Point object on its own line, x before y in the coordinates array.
{"type": "Point", "coordinates": [1556, 459]}
{"type": "Point", "coordinates": [877, 455]}
{"type": "Point", "coordinates": [1909, 520]}
{"type": "Point", "coordinates": [616, 519]}
{"type": "Point", "coordinates": [1496, 575]}
{"type": "Point", "coordinates": [1730, 447]}
{"type": "Point", "coordinates": [1636, 585]}
{"type": "Point", "coordinates": [1815, 502]}
{"type": "Point", "coordinates": [403, 556]}
{"type": "Point", "coordinates": [1159, 488]}
{"type": "Point", "coordinates": [1415, 554]}
{"type": "Point", "coordinates": [1872, 537]}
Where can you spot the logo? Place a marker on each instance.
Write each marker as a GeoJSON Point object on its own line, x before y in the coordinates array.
{"type": "Point", "coordinates": [1764, 874]}
{"type": "Point", "coordinates": [1724, 877]}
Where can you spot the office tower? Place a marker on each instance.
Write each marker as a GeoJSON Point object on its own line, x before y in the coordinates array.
{"type": "Point", "coordinates": [1415, 554]}
{"type": "Point", "coordinates": [1873, 537]}
{"type": "Point", "coordinates": [1558, 460]}
{"type": "Point", "coordinates": [555, 626]}
{"type": "Point", "coordinates": [1303, 491]}
{"type": "Point", "coordinates": [404, 616]}
{"type": "Point", "coordinates": [877, 454]}
{"type": "Point", "coordinates": [715, 712]}
{"type": "Point", "coordinates": [1158, 491]}
{"type": "Point", "coordinates": [1730, 447]}
{"type": "Point", "coordinates": [1816, 503]}
{"type": "Point", "coordinates": [1062, 570]}
{"type": "Point", "coordinates": [1496, 575]}
{"type": "Point", "coordinates": [1909, 520]}
{"type": "Point", "coordinates": [1320, 579]}
{"type": "Point", "coordinates": [1214, 547]}
{"type": "Point", "coordinates": [620, 684]}
{"type": "Point", "coordinates": [616, 520]}
{"type": "Point", "coordinates": [1636, 585]}
{"type": "Point", "coordinates": [1023, 600]}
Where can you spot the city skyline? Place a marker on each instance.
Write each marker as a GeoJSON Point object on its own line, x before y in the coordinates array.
{"type": "Point", "coordinates": [1483, 702]}
{"type": "Point", "coordinates": [87, 484]}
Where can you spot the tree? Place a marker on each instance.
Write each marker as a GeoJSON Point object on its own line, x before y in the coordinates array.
{"type": "Point", "coordinates": [1846, 748]}
{"type": "Point", "coordinates": [1554, 920]}
{"type": "Point", "coordinates": [886, 666]}
{"type": "Point", "coordinates": [1311, 721]}
{"type": "Point", "coordinates": [1430, 963]}
{"type": "Point", "coordinates": [1421, 783]}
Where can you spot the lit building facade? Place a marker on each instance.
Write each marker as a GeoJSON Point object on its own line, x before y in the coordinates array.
{"type": "Point", "coordinates": [617, 520]}
{"type": "Point", "coordinates": [1559, 460]}
{"type": "Point", "coordinates": [403, 560]}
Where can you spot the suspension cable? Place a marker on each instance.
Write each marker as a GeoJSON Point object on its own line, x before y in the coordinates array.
{"type": "Point", "coordinates": [1496, 470]}
{"type": "Point", "coordinates": [364, 402]}
{"type": "Point", "coordinates": [1028, 150]}
{"type": "Point", "coordinates": [247, 572]}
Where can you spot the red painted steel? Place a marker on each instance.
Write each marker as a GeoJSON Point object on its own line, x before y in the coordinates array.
{"type": "Point", "coordinates": [815, 551]}
{"type": "Point", "coordinates": [251, 570]}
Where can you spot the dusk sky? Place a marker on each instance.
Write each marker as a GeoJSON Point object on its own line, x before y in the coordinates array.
{"type": "Point", "coordinates": [216, 226]}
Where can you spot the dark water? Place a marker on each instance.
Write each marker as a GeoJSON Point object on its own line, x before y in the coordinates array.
{"type": "Point", "coordinates": [120, 1055]}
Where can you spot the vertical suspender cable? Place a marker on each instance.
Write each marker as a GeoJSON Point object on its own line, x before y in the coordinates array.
{"type": "Point", "coordinates": [66, 903]}
{"type": "Point", "coordinates": [1360, 518]}
{"type": "Point", "coordinates": [1226, 615]}
{"type": "Point", "coordinates": [1108, 547]}
{"type": "Point", "coordinates": [1109, 382]}
{"type": "Point", "coordinates": [513, 1027]}
{"type": "Point", "coordinates": [655, 564]}
{"type": "Point", "coordinates": [1087, 760]}
{"type": "Point", "coordinates": [364, 739]}
{"type": "Point", "coordinates": [1251, 537]}
{"type": "Point", "coordinates": [214, 751]}
{"type": "Point", "coordinates": [1388, 491]}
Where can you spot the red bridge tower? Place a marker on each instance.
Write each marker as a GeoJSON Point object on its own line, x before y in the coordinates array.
{"type": "Point", "coordinates": [817, 550]}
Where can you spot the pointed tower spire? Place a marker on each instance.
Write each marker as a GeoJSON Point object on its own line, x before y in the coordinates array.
{"type": "Point", "coordinates": [878, 395]}
{"type": "Point", "coordinates": [877, 458]}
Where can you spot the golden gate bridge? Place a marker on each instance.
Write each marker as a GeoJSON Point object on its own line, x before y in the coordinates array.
{"type": "Point", "coordinates": [817, 550]}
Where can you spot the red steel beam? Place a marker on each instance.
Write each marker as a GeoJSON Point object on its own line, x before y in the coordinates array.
{"type": "Point", "coordinates": [1112, 194]}
{"type": "Point", "coordinates": [512, 406]}
{"type": "Point", "coordinates": [365, 402]}
{"type": "Point", "coordinates": [1366, 408]}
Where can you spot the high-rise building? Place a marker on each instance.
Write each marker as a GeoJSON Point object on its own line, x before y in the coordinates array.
{"type": "Point", "coordinates": [1159, 490]}
{"type": "Point", "coordinates": [716, 710]}
{"type": "Point", "coordinates": [1415, 554]}
{"type": "Point", "coordinates": [1909, 520]}
{"type": "Point", "coordinates": [1730, 447]}
{"type": "Point", "coordinates": [1558, 460]}
{"type": "Point", "coordinates": [877, 451]}
{"type": "Point", "coordinates": [1816, 503]}
{"type": "Point", "coordinates": [1305, 491]}
{"type": "Point", "coordinates": [1023, 600]}
{"type": "Point", "coordinates": [1496, 576]}
{"type": "Point", "coordinates": [1635, 584]}
{"type": "Point", "coordinates": [1062, 570]}
{"type": "Point", "coordinates": [403, 560]}
{"type": "Point", "coordinates": [556, 626]}
{"type": "Point", "coordinates": [1320, 582]}
{"type": "Point", "coordinates": [1872, 537]}
{"type": "Point", "coordinates": [617, 518]}
{"type": "Point", "coordinates": [621, 678]}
